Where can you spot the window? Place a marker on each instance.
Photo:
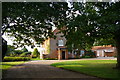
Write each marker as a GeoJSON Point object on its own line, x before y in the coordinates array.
{"type": "Point", "coordinates": [60, 43]}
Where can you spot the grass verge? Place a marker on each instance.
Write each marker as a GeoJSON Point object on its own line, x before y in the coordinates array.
{"type": "Point", "coordinates": [33, 59]}
{"type": "Point", "coordinates": [6, 65]}
{"type": "Point", "coordinates": [98, 68]}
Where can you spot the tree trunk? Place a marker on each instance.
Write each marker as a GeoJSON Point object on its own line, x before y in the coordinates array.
{"type": "Point", "coordinates": [117, 39]}
{"type": "Point", "coordinates": [4, 48]}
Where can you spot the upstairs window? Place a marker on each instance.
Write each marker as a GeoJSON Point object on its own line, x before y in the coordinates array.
{"type": "Point", "coordinates": [60, 43]}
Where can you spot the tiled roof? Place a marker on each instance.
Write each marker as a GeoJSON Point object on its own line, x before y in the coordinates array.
{"type": "Point", "coordinates": [102, 47]}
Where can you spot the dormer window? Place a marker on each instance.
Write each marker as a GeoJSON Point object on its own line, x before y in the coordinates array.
{"type": "Point", "coordinates": [60, 43]}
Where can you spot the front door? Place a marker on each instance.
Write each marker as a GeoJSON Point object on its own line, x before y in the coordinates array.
{"type": "Point", "coordinates": [63, 54]}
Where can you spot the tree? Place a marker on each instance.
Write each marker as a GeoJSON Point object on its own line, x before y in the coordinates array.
{"type": "Point", "coordinates": [29, 22]}
{"type": "Point", "coordinates": [90, 22]}
{"type": "Point", "coordinates": [35, 53]}
{"type": "Point", "coordinates": [10, 50]}
{"type": "Point", "coordinates": [24, 49]}
{"type": "Point", "coordinates": [104, 42]}
{"type": "Point", "coordinates": [25, 54]}
{"type": "Point", "coordinates": [18, 52]}
{"type": "Point", "coordinates": [4, 48]}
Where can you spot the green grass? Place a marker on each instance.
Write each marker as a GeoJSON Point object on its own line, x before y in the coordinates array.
{"type": "Point", "coordinates": [99, 68]}
{"type": "Point", "coordinates": [35, 59]}
{"type": "Point", "coordinates": [6, 65]}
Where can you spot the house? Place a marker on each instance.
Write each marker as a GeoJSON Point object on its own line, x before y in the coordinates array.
{"type": "Point", "coordinates": [104, 51]}
{"type": "Point", "coordinates": [55, 48]}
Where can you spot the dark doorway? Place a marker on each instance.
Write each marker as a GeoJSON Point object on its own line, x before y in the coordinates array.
{"type": "Point", "coordinates": [63, 54]}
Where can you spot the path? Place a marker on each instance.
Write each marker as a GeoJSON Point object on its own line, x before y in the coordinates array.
{"type": "Point", "coordinates": [42, 69]}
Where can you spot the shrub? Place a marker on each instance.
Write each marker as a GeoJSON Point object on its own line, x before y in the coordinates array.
{"type": "Point", "coordinates": [18, 51]}
{"type": "Point", "coordinates": [35, 53]}
{"type": "Point", "coordinates": [77, 57]}
{"type": "Point", "coordinates": [50, 59]}
{"type": "Point", "coordinates": [12, 54]}
{"type": "Point", "coordinates": [115, 56]}
{"type": "Point", "coordinates": [86, 57]}
{"type": "Point", "coordinates": [10, 50]}
{"type": "Point", "coordinates": [25, 54]}
{"type": "Point", "coordinates": [90, 53]}
{"type": "Point", "coordinates": [24, 49]}
{"type": "Point", "coordinates": [16, 59]}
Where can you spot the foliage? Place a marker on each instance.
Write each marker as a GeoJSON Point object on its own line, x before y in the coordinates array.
{"type": "Point", "coordinates": [50, 59]}
{"type": "Point", "coordinates": [90, 53]}
{"type": "Point", "coordinates": [25, 54]}
{"type": "Point", "coordinates": [35, 59]}
{"type": "Point", "coordinates": [10, 50]}
{"type": "Point", "coordinates": [99, 68]}
{"type": "Point", "coordinates": [27, 24]}
{"type": "Point", "coordinates": [102, 42]}
{"type": "Point", "coordinates": [7, 59]}
{"type": "Point", "coordinates": [18, 52]}
{"type": "Point", "coordinates": [35, 53]}
{"type": "Point", "coordinates": [82, 24]}
{"type": "Point", "coordinates": [91, 23]}
{"type": "Point", "coordinates": [86, 57]}
{"type": "Point", "coordinates": [24, 49]}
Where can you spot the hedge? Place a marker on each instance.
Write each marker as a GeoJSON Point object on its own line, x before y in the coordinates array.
{"type": "Point", "coordinates": [87, 57]}
{"type": "Point", "coordinates": [7, 59]}
{"type": "Point", "coordinates": [50, 59]}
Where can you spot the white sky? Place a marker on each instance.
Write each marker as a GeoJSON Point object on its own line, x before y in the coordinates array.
{"type": "Point", "coordinates": [10, 42]}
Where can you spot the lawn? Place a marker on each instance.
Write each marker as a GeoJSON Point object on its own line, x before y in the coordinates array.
{"type": "Point", "coordinates": [99, 68]}
{"type": "Point", "coordinates": [33, 59]}
{"type": "Point", "coordinates": [6, 65]}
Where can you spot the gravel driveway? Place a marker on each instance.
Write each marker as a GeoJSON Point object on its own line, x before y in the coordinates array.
{"type": "Point", "coordinates": [42, 69]}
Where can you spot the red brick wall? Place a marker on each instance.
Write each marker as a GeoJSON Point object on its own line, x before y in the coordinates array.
{"type": "Point", "coordinates": [109, 54]}
{"type": "Point", "coordinates": [53, 55]}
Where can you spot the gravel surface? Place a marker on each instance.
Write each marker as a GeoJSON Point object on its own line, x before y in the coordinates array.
{"type": "Point", "coordinates": [42, 69]}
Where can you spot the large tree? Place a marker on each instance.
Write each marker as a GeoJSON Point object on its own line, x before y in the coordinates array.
{"type": "Point", "coordinates": [4, 48]}
{"type": "Point", "coordinates": [91, 22]}
{"type": "Point", "coordinates": [27, 22]}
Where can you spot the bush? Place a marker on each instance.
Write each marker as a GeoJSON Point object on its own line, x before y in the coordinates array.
{"type": "Point", "coordinates": [90, 53]}
{"type": "Point", "coordinates": [50, 59]}
{"type": "Point", "coordinates": [16, 59]}
{"type": "Point", "coordinates": [25, 54]}
{"type": "Point", "coordinates": [18, 52]}
{"type": "Point", "coordinates": [12, 55]}
{"type": "Point", "coordinates": [115, 56]}
{"type": "Point", "coordinates": [24, 49]}
{"type": "Point", "coordinates": [35, 53]}
{"type": "Point", "coordinates": [86, 57]}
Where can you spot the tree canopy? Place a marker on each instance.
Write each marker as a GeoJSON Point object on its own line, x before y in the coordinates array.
{"type": "Point", "coordinates": [24, 49]}
{"type": "Point", "coordinates": [83, 24]}
{"type": "Point", "coordinates": [29, 22]}
{"type": "Point", "coordinates": [92, 22]}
